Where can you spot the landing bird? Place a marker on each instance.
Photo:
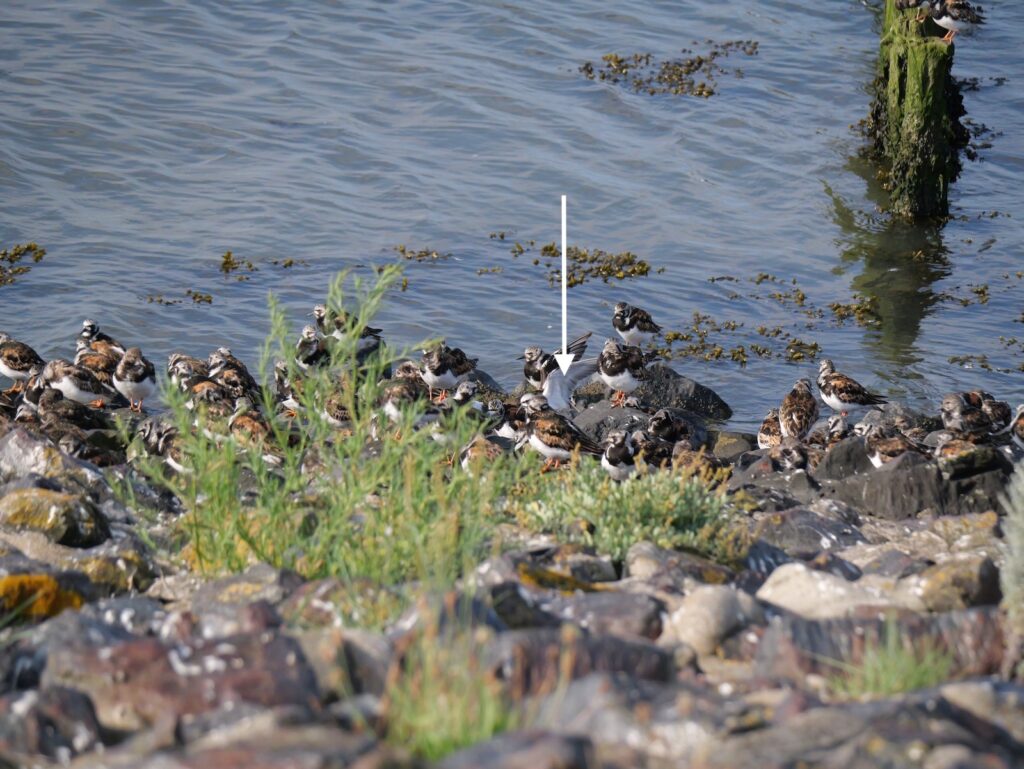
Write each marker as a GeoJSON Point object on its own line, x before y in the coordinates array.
{"type": "Point", "coordinates": [537, 363]}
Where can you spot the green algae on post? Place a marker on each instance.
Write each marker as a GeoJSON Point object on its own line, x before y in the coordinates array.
{"type": "Point", "coordinates": [914, 123]}
{"type": "Point", "coordinates": [10, 258]}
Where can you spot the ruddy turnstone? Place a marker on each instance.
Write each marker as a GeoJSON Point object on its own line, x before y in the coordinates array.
{"type": "Point", "coordinates": [688, 452]}
{"type": "Point", "coordinates": [54, 405]}
{"type": "Point", "coordinates": [310, 350]}
{"type": "Point", "coordinates": [135, 378]}
{"type": "Point", "coordinates": [799, 410]}
{"type": "Point", "coordinates": [404, 390]}
{"type": "Point", "coordinates": [558, 387]}
{"type": "Point", "coordinates": [231, 374]}
{"type": "Point", "coordinates": [444, 367]}
{"type": "Point", "coordinates": [338, 324]}
{"type": "Point", "coordinates": [481, 450]}
{"type": "Point", "coordinates": [652, 451]}
{"type": "Point", "coordinates": [789, 455]}
{"type": "Point", "coordinates": [617, 458]}
{"type": "Point", "coordinates": [163, 440]}
{"type": "Point", "coordinates": [1016, 427]}
{"type": "Point", "coordinates": [668, 427]}
{"type": "Point", "coordinates": [537, 364]}
{"type": "Point", "coordinates": [99, 341]}
{"type": "Point", "coordinates": [102, 364]}
{"type": "Point", "coordinates": [842, 393]}
{"type": "Point", "coordinates": [621, 369]}
{"type": "Point", "coordinates": [509, 420]}
{"type": "Point", "coordinates": [770, 433]}
{"type": "Point", "coordinates": [176, 362]}
{"type": "Point", "coordinates": [553, 435]}
{"type": "Point", "coordinates": [17, 359]}
{"type": "Point", "coordinates": [77, 383]}
{"type": "Point", "coordinates": [884, 445]}
{"type": "Point", "coordinates": [954, 16]}
{"type": "Point", "coordinates": [962, 415]}
{"type": "Point", "coordinates": [635, 326]}
{"type": "Point", "coordinates": [838, 430]}
{"type": "Point", "coordinates": [998, 412]}
{"type": "Point", "coordinates": [247, 425]}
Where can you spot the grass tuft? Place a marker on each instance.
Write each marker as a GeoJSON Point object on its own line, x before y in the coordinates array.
{"type": "Point", "coordinates": [442, 698]}
{"type": "Point", "coordinates": [890, 667]}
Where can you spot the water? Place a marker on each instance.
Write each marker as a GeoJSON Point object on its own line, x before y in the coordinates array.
{"type": "Point", "coordinates": [139, 140]}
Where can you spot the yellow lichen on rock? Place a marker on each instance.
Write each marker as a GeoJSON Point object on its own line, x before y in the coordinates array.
{"type": "Point", "coordinates": [36, 596]}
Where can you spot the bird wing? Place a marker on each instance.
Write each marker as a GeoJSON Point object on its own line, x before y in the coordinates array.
{"type": "Point", "coordinates": [851, 391]}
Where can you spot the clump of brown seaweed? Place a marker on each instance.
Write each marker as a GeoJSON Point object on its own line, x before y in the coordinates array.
{"type": "Point", "coordinates": [693, 75]}
{"type": "Point", "coordinates": [11, 265]}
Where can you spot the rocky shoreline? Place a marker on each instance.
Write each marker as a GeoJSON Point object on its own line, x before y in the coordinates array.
{"type": "Point", "coordinates": [116, 653]}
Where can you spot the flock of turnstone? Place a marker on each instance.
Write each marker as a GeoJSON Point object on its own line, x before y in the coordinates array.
{"type": "Point", "coordinates": [65, 400]}
{"type": "Point", "coordinates": [952, 15]}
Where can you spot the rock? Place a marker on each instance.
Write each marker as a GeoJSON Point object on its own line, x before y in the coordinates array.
{"type": "Point", "coordinates": [139, 682]}
{"type": "Point", "coordinates": [599, 419]}
{"type": "Point", "coordinates": [761, 480]}
{"type": "Point", "coordinates": [525, 750]}
{"type": "Point", "coordinates": [911, 485]}
{"type": "Point", "coordinates": [608, 613]}
{"type": "Point", "coordinates": [899, 733]}
{"type": "Point", "coordinates": [36, 590]}
{"type": "Point", "coordinates": [792, 646]}
{"type": "Point", "coordinates": [708, 615]}
{"type": "Point", "coordinates": [267, 741]}
{"type": "Point", "coordinates": [348, 661]}
{"type": "Point", "coordinates": [672, 723]}
{"type": "Point", "coordinates": [520, 608]}
{"type": "Point", "coordinates": [23, 661]}
{"type": "Point", "coordinates": [57, 723]}
{"type": "Point", "coordinates": [847, 458]}
{"type": "Point", "coordinates": [441, 614]}
{"type": "Point", "coordinates": [728, 446]}
{"type": "Point", "coordinates": [318, 604]}
{"type": "Point", "coordinates": [22, 454]}
{"type": "Point", "coordinates": [995, 702]}
{"type": "Point", "coordinates": [532, 660]}
{"type": "Point", "coordinates": [134, 614]}
{"type": "Point", "coordinates": [802, 590]}
{"type": "Point", "coordinates": [671, 570]}
{"type": "Point", "coordinates": [665, 389]}
{"type": "Point", "coordinates": [120, 564]}
{"type": "Point", "coordinates": [802, 532]}
{"type": "Point", "coordinates": [66, 519]}
{"type": "Point", "coordinates": [962, 581]}
{"type": "Point", "coordinates": [573, 561]}
{"type": "Point", "coordinates": [259, 582]}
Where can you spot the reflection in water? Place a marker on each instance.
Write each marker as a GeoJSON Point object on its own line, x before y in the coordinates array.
{"type": "Point", "coordinates": [901, 261]}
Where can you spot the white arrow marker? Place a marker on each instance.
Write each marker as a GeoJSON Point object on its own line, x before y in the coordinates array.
{"type": "Point", "coordinates": [564, 358]}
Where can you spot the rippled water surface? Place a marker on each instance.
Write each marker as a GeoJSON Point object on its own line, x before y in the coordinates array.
{"type": "Point", "coordinates": [139, 140]}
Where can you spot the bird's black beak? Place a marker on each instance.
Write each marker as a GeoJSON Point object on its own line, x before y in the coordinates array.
{"type": "Point", "coordinates": [520, 357]}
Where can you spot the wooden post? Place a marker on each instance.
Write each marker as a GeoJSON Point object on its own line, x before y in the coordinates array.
{"type": "Point", "coordinates": [915, 118]}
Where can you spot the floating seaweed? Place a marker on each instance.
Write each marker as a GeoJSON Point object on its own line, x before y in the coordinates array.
{"type": "Point", "coordinates": [10, 261]}
{"type": "Point", "coordinates": [423, 255]}
{"type": "Point", "coordinates": [229, 264]}
{"type": "Point", "coordinates": [693, 75]}
{"type": "Point", "coordinates": [584, 264]}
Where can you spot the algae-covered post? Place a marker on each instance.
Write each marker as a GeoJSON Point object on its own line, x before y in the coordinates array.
{"type": "Point", "coordinates": [915, 119]}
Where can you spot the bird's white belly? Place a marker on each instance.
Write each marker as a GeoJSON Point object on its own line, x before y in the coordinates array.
{"type": "Point", "coordinates": [445, 381]}
{"type": "Point", "coordinates": [549, 452]}
{"type": "Point", "coordinates": [135, 391]}
{"type": "Point", "coordinates": [75, 393]}
{"type": "Point", "coordinates": [10, 373]}
{"type": "Point", "coordinates": [624, 382]}
{"type": "Point", "coordinates": [617, 473]}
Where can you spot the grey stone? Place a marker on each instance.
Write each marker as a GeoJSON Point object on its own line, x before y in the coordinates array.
{"type": "Point", "coordinates": [525, 750]}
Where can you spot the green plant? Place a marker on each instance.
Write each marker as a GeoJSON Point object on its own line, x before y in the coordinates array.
{"type": "Point", "coordinates": [674, 509]}
{"type": "Point", "coordinates": [358, 502]}
{"type": "Point", "coordinates": [890, 667]}
{"type": "Point", "coordinates": [442, 698]}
